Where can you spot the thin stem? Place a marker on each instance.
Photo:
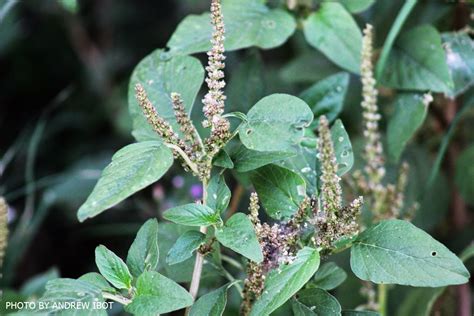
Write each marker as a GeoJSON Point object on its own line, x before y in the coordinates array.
{"type": "Point", "coordinates": [188, 161]}
{"type": "Point", "coordinates": [382, 299]}
{"type": "Point", "coordinates": [196, 279]}
{"type": "Point", "coordinates": [397, 25]}
{"type": "Point", "coordinates": [117, 298]}
{"type": "Point", "coordinates": [231, 278]}
{"type": "Point", "coordinates": [232, 262]}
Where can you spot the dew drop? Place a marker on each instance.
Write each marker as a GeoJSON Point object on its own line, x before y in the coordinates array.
{"type": "Point", "coordinates": [306, 170]}
{"type": "Point", "coordinates": [338, 88]}
{"type": "Point", "coordinates": [340, 139]}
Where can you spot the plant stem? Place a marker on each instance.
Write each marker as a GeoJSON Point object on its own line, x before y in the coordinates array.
{"type": "Point", "coordinates": [382, 299]}
{"type": "Point", "coordinates": [232, 262]}
{"type": "Point", "coordinates": [196, 279]}
{"type": "Point", "coordinates": [231, 278]}
{"type": "Point", "coordinates": [397, 25]}
{"type": "Point", "coordinates": [117, 298]}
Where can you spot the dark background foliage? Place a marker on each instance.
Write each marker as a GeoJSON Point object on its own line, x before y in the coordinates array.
{"type": "Point", "coordinates": [63, 112]}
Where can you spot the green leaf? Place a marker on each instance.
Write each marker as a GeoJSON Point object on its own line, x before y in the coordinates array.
{"type": "Point", "coordinates": [419, 301]}
{"type": "Point", "coordinates": [283, 283]}
{"type": "Point", "coordinates": [143, 254]}
{"type": "Point", "coordinates": [280, 190]}
{"type": "Point", "coordinates": [156, 294]}
{"type": "Point", "coordinates": [356, 6]}
{"type": "Point", "coordinates": [98, 280]}
{"type": "Point", "coordinates": [342, 148]}
{"type": "Point", "coordinates": [218, 194]}
{"type": "Point", "coordinates": [326, 97]}
{"type": "Point", "coordinates": [112, 268]}
{"type": "Point", "coordinates": [410, 113]}
{"type": "Point", "coordinates": [212, 303]}
{"type": "Point", "coordinates": [300, 309]}
{"type": "Point", "coordinates": [459, 49]}
{"type": "Point", "coordinates": [71, 291]}
{"type": "Point", "coordinates": [319, 302]}
{"type": "Point", "coordinates": [275, 123]}
{"type": "Point", "coordinates": [467, 253]}
{"type": "Point", "coordinates": [160, 75]}
{"type": "Point", "coordinates": [328, 277]}
{"type": "Point", "coordinates": [397, 252]}
{"type": "Point", "coordinates": [69, 5]}
{"type": "Point", "coordinates": [239, 235]}
{"type": "Point", "coordinates": [333, 31]}
{"type": "Point", "coordinates": [465, 174]}
{"type": "Point", "coordinates": [193, 214]}
{"type": "Point", "coordinates": [185, 247]}
{"type": "Point", "coordinates": [247, 160]}
{"type": "Point", "coordinates": [359, 313]}
{"type": "Point", "coordinates": [418, 62]}
{"type": "Point", "coordinates": [133, 168]}
{"type": "Point", "coordinates": [36, 285]}
{"type": "Point", "coordinates": [222, 159]}
{"type": "Point", "coordinates": [247, 23]}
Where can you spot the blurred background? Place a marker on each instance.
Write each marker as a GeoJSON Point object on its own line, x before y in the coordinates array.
{"type": "Point", "coordinates": [64, 71]}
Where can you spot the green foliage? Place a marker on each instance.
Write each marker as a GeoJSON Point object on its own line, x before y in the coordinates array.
{"type": "Point", "coordinates": [284, 282]}
{"type": "Point", "coordinates": [248, 23]}
{"type": "Point", "coordinates": [193, 214]}
{"type": "Point", "coordinates": [144, 253]}
{"type": "Point", "coordinates": [275, 123]}
{"type": "Point", "coordinates": [328, 277]}
{"type": "Point", "coordinates": [315, 302]}
{"type": "Point", "coordinates": [185, 246]}
{"type": "Point", "coordinates": [333, 31]}
{"type": "Point", "coordinates": [156, 294]}
{"type": "Point", "coordinates": [97, 280]}
{"type": "Point", "coordinates": [357, 6]}
{"type": "Point", "coordinates": [396, 252]}
{"type": "Point", "coordinates": [218, 194]}
{"type": "Point", "coordinates": [160, 75]}
{"type": "Point", "coordinates": [113, 268]}
{"type": "Point", "coordinates": [238, 234]}
{"type": "Point", "coordinates": [342, 148]}
{"type": "Point", "coordinates": [418, 62]}
{"type": "Point", "coordinates": [280, 190]}
{"type": "Point", "coordinates": [247, 160]}
{"type": "Point", "coordinates": [212, 303]}
{"type": "Point", "coordinates": [133, 168]}
{"type": "Point", "coordinates": [409, 115]}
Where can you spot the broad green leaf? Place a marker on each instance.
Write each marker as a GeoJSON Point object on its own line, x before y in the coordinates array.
{"type": "Point", "coordinates": [299, 309]}
{"type": "Point", "coordinates": [356, 6]}
{"type": "Point", "coordinates": [333, 31]}
{"type": "Point", "coordinates": [97, 280]}
{"type": "Point", "coordinates": [304, 163]}
{"type": "Point", "coordinates": [342, 148]}
{"type": "Point", "coordinates": [275, 123]}
{"type": "Point", "coordinates": [218, 194]}
{"type": "Point", "coordinates": [300, 69]}
{"type": "Point", "coordinates": [239, 235]}
{"type": "Point", "coordinates": [410, 113]}
{"type": "Point", "coordinates": [185, 246]}
{"type": "Point", "coordinates": [464, 177]}
{"type": "Point", "coordinates": [459, 49]}
{"type": "Point", "coordinates": [397, 252]}
{"type": "Point", "coordinates": [143, 254]}
{"type": "Point", "coordinates": [156, 294]}
{"type": "Point", "coordinates": [359, 313]}
{"type": "Point", "coordinates": [133, 168]}
{"type": "Point", "coordinates": [70, 291]}
{"type": "Point", "coordinates": [36, 285]}
{"type": "Point", "coordinates": [328, 277]}
{"type": "Point", "coordinates": [247, 160]}
{"type": "Point", "coordinates": [319, 302]}
{"type": "Point", "coordinates": [212, 303]}
{"type": "Point", "coordinates": [280, 190]}
{"type": "Point", "coordinates": [419, 301]}
{"type": "Point", "coordinates": [112, 268]}
{"type": "Point", "coordinates": [418, 62]}
{"type": "Point", "coordinates": [161, 75]}
{"type": "Point", "coordinates": [247, 23]}
{"type": "Point", "coordinates": [193, 214]}
{"type": "Point", "coordinates": [248, 77]}
{"type": "Point", "coordinates": [223, 160]}
{"type": "Point", "coordinates": [282, 283]}
{"type": "Point", "coordinates": [326, 97]}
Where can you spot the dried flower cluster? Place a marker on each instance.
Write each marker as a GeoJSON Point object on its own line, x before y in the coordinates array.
{"type": "Point", "coordinates": [194, 154]}
{"type": "Point", "coordinates": [332, 221]}
{"type": "Point", "coordinates": [386, 200]}
{"type": "Point", "coordinates": [215, 98]}
{"type": "Point", "coordinates": [3, 229]}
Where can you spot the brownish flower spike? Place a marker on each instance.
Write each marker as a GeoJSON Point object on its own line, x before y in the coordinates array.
{"type": "Point", "coordinates": [3, 228]}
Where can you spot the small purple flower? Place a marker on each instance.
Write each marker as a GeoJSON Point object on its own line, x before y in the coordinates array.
{"type": "Point", "coordinates": [178, 182]}
{"type": "Point", "coordinates": [196, 191]}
